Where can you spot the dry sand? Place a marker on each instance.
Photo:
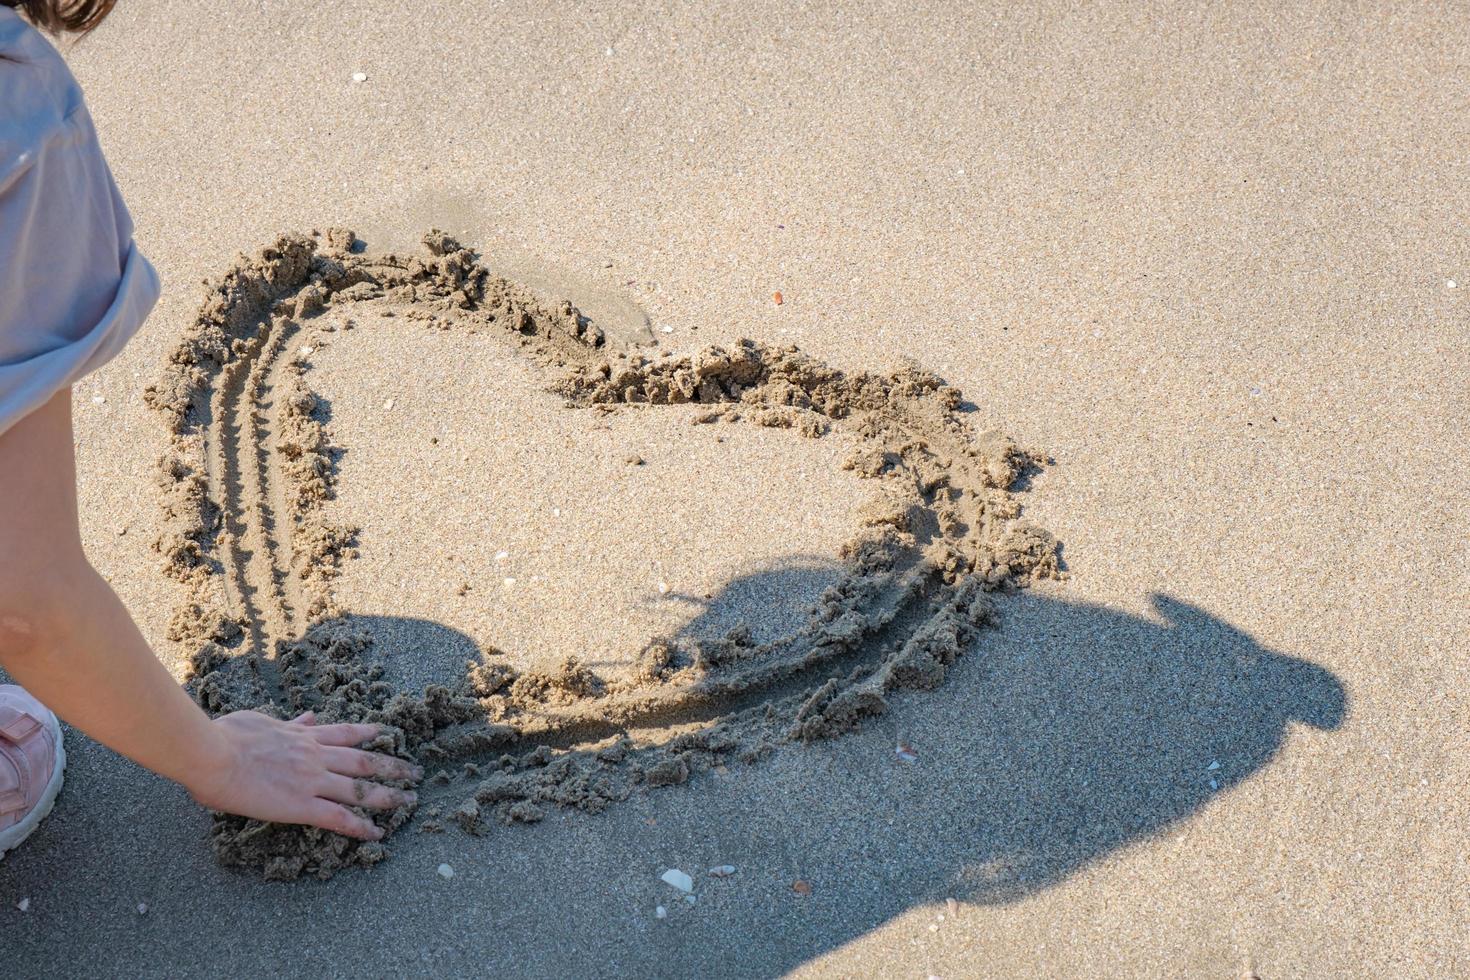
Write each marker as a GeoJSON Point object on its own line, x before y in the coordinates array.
{"type": "Point", "coordinates": [1203, 259]}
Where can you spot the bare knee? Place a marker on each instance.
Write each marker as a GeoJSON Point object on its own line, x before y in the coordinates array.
{"type": "Point", "coordinates": [35, 606]}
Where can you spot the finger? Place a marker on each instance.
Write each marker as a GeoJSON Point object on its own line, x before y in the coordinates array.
{"type": "Point", "coordinates": [336, 817]}
{"type": "Point", "coordinates": [305, 718]}
{"type": "Point", "coordinates": [355, 762]}
{"type": "Point", "coordinates": [345, 734]}
{"type": "Point", "coordinates": [361, 792]}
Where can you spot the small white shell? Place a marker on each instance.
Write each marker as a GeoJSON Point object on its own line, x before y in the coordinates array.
{"type": "Point", "coordinates": [679, 880]}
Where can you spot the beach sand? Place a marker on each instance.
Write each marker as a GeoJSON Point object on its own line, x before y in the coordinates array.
{"type": "Point", "coordinates": [1212, 263]}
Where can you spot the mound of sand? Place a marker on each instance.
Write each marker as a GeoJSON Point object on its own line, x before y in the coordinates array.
{"type": "Point", "coordinates": [251, 465]}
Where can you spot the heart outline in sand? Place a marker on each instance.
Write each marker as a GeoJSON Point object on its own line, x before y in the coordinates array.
{"type": "Point", "coordinates": [250, 464]}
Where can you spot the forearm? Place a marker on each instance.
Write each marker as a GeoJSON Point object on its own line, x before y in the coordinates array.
{"type": "Point", "coordinates": [66, 637]}
{"type": "Point", "coordinates": [90, 664]}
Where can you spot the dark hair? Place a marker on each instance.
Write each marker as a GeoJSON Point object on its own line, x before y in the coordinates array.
{"type": "Point", "coordinates": [63, 16]}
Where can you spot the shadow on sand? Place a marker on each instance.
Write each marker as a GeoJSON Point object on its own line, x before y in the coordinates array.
{"type": "Point", "coordinates": [1066, 734]}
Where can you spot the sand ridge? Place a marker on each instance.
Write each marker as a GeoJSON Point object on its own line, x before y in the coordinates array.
{"type": "Point", "coordinates": [251, 463]}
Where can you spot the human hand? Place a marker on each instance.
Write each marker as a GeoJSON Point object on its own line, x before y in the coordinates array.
{"type": "Point", "coordinates": [300, 772]}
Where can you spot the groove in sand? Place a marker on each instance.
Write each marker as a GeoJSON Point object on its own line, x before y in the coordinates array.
{"type": "Point", "coordinates": [943, 533]}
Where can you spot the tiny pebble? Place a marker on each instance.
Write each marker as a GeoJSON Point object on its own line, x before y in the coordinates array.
{"type": "Point", "coordinates": [24, 905]}
{"type": "Point", "coordinates": [689, 899]}
{"type": "Point", "coordinates": [905, 752]}
{"type": "Point", "coordinates": [722, 871]}
{"type": "Point", "coordinates": [633, 459]}
{"type": "Point", "coordinates": [607, 265]}
{"type": "Point", "coordinates": [801, 887]}
{"type": "Point", "coordinates": [142, 908]}
{"type": "Point", "coordinates": [777, 298]}
{"type": "Point", "coordinates": [509, 581]}
{"type": "Point", "coordinates": [359, 76]}
{"type": "Point", "coordinates": [661, 912]}
{"type": "Point", "coordinates": [1214, 764]}
{"type": "Point", "coordinates": [502, 555]}
{"type": "Point", "coordinates": [668, 329]}
{"type": "Point", "coordinates": [122, 529]}
{"type": "Point", "coordinates": [933, 927]}
{"type": "Point", "coordinates": [1451, 283]}
{"type": "Point", "coordinates": [556, 512]}
{"type": "Point", "coordinates": [388, 405]}
{"type": "Point", "coordinates": [953, 906]}
{"type": "Point", "coordinates": [1214, 784]}
{"type": "Point", "coordinates": [663, 587]}
{"type": "Point", "coordinates": [99, 399]}
{"type": "Point", "coordinates": [307, 351]}
{"type": "Point", "coordinates": [609, 52]}
{"type": "Point", "coordinates": [445, 871]}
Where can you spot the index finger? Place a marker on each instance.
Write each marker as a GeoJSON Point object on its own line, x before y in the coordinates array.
{"type": "Point", "coordinates": [345, 734]}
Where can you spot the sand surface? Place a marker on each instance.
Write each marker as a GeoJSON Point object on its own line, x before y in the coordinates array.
{"type": "Point", "coordinates": [1202, 259]}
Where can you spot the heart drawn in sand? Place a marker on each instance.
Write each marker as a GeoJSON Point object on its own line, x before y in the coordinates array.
{"type": "Point", "coordinates": [250, 465]}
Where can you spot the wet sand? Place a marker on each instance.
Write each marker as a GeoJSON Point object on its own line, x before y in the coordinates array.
{"type": "Point", "coordinates": [1202, 260]}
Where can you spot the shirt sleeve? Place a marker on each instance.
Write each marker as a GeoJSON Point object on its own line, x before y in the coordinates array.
{"type": "Point", "coordinates": [73, 286]}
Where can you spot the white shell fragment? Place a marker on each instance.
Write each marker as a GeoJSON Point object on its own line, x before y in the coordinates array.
{"type": "Point", "coordinates": [663, 587]}
{"type": "Point", "coordinates": [359, 76]}
{"type": "Point", "coordinates": [661, 912]}
{"type": "Point", "coordinates": [388, 405]}
{"type": "Point", "coordinates": [679, 880]}
{"type": "Point", "coordinates": [445, 871]}
{"type": "Point", "coordinates": [142, 908]}
{"type": "Point", "coordinates": [24, 905]}
{"type": "Point", "coordinates": [722, 871]}
{"type": "Point", "coordinates": [1214, 764]}
{"type": "Point", "coordinates": [905, 753]}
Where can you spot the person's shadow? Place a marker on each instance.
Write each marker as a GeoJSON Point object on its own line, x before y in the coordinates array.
{"type": "Point", "coordinates": [1065, 734]}
{"type": "Point", "coordinates": [1068, 732]}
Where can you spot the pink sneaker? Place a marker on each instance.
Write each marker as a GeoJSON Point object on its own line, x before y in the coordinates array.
{"type": "Point", "coordinates": [31, 762]}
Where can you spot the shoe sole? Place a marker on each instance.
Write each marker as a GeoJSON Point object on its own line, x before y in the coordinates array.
{"type": "Point", "coordinates": [12, 837]}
